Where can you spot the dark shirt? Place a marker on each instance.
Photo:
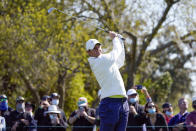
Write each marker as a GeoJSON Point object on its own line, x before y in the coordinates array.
{"type": "Point", "coordinates": [178, 119]}
{"type": "Point", "coordinates": [82, 121]}
{"type": "Point", "coordinates": [160, 122]}
{"type": "Point", "coordinates": [16, 117]}
{"type": "Point", "coordinates": [6, 115]}
{"type": "Point", "coordinates": [39, 117]}
{"type": "Point", "coordinates": [133, 121]}
{"type": "Point", "coordinates": [51, 127]}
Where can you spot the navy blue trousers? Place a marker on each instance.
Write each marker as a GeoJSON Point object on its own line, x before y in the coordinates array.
{"type": "Point", "coordinates": [113, 114]}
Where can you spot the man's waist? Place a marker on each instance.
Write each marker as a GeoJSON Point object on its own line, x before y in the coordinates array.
{"type": "Point", "coordinates": [122, 99]}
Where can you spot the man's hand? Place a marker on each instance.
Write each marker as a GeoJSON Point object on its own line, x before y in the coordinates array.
{"type": "Point", "coordinates": [83, 113]}
{"type": "Point", "coordinates": [15, 126]}
{"type": "Point", "coordinates": [132, 110]}
{"type": "Point", "coordinates": [112, 34]}
{"type": "Point", "coordinates": [26, 122]}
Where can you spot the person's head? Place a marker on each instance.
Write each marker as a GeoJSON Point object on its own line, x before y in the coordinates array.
{"type": "Point", "coordinates": [45, 98]}
{"type": "Point", "coordinates": [167, 109]}
{"type": "Point", "coordinates": [20, 104]}
{"type": "Point", "coordinates": [53, 113]}
{"type": "Point", "coordinates": [183, 104]}
{"type": "Point", "coordinates": [194, 103]}
{"type": "Point", "coordinates": [132, 96]}
{"type": "Point", "coordinates": [3, 103]}
{"type": "Point", "coordinates": [82, 103]}
{"type": "Point", "coordinates": [93, 48]}
{"type": "Point", "coordinates": [151, 108]}
{"type": "Point", "coordinates": [29, 107]}
{"type": "Point", "coordinates": [54, 98]}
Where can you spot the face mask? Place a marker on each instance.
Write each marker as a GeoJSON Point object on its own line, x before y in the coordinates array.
{"type": "Point", "coordinates": [55, 101]}
{"type": "Point", "coordinates": [20, 107]}
{"type": "Point", "coordinates": [4, 106]}
{"type": "Point", "coordinates": [152, 110]}
{"type": "Point", "coordinates": [133, 100]}
{"type": "Point", "coordinates": [52, 116]}
{"type": "Point", "coordinates": [168, 113]}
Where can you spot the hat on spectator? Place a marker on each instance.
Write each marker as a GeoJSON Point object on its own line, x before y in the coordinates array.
{"type": "Point", "coordinates": [131, 92]}
{"type": "Point", "coordinates": [55, 95]}
{"type": "Point", "coordinates": [166, 105]}
{"type": "Point", "coordinates": [194, 98]}
{"type": "Point", "coordinates": [29, 104]}
{"type": "Point", "coordinates": [3, 96]}
{"type": "Point", "coordinates": [20, 98]}
{"type": "Point", "coordinates": [82, 101]}
{"type": "Point", "coordinates": [52, 109]}
{"type": "Point", "coordinates": [45, 98]}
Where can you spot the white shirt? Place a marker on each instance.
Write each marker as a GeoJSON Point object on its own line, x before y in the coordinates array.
{"type": "Point", "coordinates": [106, 70]}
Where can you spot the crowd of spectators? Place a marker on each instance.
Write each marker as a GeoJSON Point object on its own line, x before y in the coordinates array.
{"type": "Point", "coordinates": [49, 117]}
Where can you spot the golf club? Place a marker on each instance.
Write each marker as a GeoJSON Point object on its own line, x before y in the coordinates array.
{"type": "Point", "coordinates": [51, 9]}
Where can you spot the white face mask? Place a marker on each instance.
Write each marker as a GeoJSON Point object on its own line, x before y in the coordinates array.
{"type": "Point", "coordinates": [55, 101]}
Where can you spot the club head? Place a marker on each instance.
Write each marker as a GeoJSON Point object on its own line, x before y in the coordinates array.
{"type": "Point", "coordinates": [51, 9]}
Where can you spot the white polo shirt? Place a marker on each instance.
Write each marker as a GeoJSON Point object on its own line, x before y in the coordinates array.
{"type": "Point", "coordinates": [106, 70]}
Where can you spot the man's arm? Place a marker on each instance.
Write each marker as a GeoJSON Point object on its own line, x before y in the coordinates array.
{"type": "Point", "coordinates": [117, 51]}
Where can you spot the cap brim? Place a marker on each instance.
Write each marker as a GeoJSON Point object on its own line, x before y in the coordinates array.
{"type": "Point", "coordinates": [58, 112]}
{"type": "Point", "coordinates": [85, 104]}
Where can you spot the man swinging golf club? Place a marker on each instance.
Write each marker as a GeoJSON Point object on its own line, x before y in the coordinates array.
{"type": "Point", "coordinates": [113, 109]}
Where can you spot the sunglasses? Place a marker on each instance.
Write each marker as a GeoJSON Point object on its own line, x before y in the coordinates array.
{"type": "Point", "coordinates": [151, 106]}
{"type": "Point", "coordinates": [3, 99]}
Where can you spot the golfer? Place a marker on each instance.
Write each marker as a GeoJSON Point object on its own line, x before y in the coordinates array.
{"type": "Point", "coordinates": [113, 106]}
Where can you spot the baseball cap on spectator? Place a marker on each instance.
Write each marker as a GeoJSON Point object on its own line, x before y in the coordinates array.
{"type": "Point", "coordinates": [166, 105]}
{"type": "Point", "coordinates": [131, 92]}
{"type": "Point", "coordinates": [29, 104]}
{"type": "Point", "coordinates": [3, 96]}
{"type": "Point", "coordinates": [194, 98]}
{"type": "Point", "coordinates": [82, 101]}
{"type": "Point", "coordinates": [54, 95]}
{"type": "Point", "coordinates": [20, 99]}
{"type": "Point", "coordinates": [45, 98]}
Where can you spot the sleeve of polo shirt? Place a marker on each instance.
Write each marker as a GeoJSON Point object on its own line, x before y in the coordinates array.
{"type": "Point", "coordinates": [117, 54]}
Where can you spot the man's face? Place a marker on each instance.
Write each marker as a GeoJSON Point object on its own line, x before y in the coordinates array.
{"type": "Point", "coordinates": [170, 109]}
{"type": "Point", "coordinates": [3, 99]}
{"type": "Point", "coordinates": [132, 96]}
{"type": "Point", "coordinates": [183, 104]}
{"type": "Point", "coordinates": [96, 51]}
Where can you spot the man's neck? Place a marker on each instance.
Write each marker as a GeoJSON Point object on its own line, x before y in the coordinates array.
{"type": "Point", "coordinates": [182, 111]}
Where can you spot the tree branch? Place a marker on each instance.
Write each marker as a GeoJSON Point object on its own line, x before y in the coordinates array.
{"type": "Point", "coordinates": [162, 47]}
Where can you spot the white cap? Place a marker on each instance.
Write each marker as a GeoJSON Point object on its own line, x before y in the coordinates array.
{"type": "Point", "coordinates": [82, 101]}
{"type": "Point", "coordinates": [131, 92]}
{"type": "Point", "coordinates": [90, 44]}
{"type": "Point", "coordinates": [194, 98]}
{"type": "Point", "coordinates": [53, 109]}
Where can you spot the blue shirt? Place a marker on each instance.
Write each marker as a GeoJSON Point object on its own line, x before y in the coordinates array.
{"type": "Point", "coordinates": [178, 119]}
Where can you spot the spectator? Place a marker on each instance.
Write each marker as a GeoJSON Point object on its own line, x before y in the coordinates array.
{"type": "Point", "coordinates": [191, 118]}
{"type": "Point", "coordinates": [2, 123]}
{"type": "Point", "coordinates": [83, 116]}
{"type": "Point", "coordinates": [153, 119]}
{"type": "Point", "coordinates": [53, 118]}
{"type": "Point", "coordinates": [20, 119]}
{"type": "Point", "coordinates": [179, 120]}
{"type": "Point", "coordinates": [5, 109]}
{"type": "Point", "coordinates": [29, 108]}
{"type": "Point", "coordinates": [135, 108]}
{"type": "Point", "coordinates": [55, 101]}
{"type": "Point", "coordinates": [167, 111]}
{"type": "Point", "coordinates": [39, 113]}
